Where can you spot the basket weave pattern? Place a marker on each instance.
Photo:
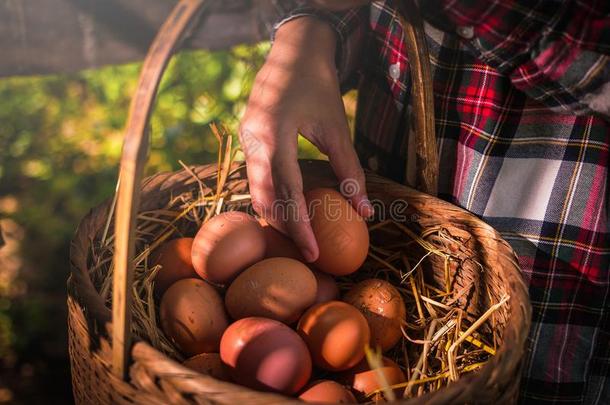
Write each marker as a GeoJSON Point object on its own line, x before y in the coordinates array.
{"type": "Point", "coordinates": [156, 379]}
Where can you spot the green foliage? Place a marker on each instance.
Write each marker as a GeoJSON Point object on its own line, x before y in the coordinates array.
{"type": "Point", "coordinates": [60, 141]}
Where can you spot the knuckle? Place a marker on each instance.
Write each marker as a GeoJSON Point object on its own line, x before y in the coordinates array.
{"type": "Point", "coordinates": [260, 205]}
{"type": "Point", "coordinates": [359, 175]}
{"type": "Point", "coordinates": [249, 140]}
{"type": "Point", "coordinates": [289, 201]}
{"type": "Point", "coordinates": [287, 192]}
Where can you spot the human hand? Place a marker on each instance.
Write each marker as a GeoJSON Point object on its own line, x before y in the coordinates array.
{"type": "Point", "coordinates": [297, 91]}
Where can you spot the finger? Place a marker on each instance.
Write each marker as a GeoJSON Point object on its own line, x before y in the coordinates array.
{"type": "Point", "coordinates": [258, 167]}
{"type": "Point", "coordinates": [288, 185]}
{"type": "Point", "coordinates": [346, 165]}
{"type": "Point", "coordinates": [261, 188]}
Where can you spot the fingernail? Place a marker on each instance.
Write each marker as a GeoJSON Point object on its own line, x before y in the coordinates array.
{"type": "Point", "coordinates": [309, 255]}
{"type": "Point", "coordinates": [366, 208]}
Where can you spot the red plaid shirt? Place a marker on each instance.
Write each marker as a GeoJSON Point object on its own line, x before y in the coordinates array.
{"type": "Point", "coordinates": [522, 99]}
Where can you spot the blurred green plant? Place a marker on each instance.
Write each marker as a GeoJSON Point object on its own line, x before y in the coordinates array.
{"type": "Point", "coordinates": [60, 142]}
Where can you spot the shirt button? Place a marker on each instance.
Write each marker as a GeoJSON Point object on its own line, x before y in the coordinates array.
{"type": "Point", "coordinates": [395, 71]}
{"type": "Point", "coordinates": [466, 32]}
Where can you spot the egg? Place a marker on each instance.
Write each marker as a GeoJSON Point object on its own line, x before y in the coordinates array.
{"type": "Point", "coordinates": [266, 355]}
{"type": "Point", "coordinates": [327, 290]}
{"type": "Point", "coordinates": [278, 288]}
{"type": "Point", "coordinates": [174, 257]}
{"type": "Point", "coordinates": [327, 392]}
{"type": "Point", "coordinates": [226, 245]}
{"type": "Point", "coordinates": [364, 381]}
{"type": "Point", "coordinates": [210, 364]}
{"type": "Point", "coordinates": [336, 334]}
{"type": "Point", "coordinates": [342, 234]}
{"type": "Point", "coordinates": [279, 245]}
{"type": "Point", "coordinates": [192, 315]}
{"type": "Point", "coordinates": [383, 307]}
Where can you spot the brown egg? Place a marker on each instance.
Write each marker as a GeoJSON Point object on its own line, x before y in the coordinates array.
{"type": "Point", "coordinates": [174, 257]}
{"type": "Point", "coordinates": [266, 355]}
{"type": "Point", "coordinates": [226, 245]}
{"type": "Point", "coordinates": [279, 245]}
{"type": "Point", "coordinates": [363, 380]}
{"type": "Point", "coordinates": [336, 334]}
{"type": "Point", "coordinates": [383, 307]}
{"type": "Point", "coordinates": [278, 288]}
{"type": "Point", "coordinates": [342, 234]}
{"type": "Point", "coordinates": [327, 392]}
{"type": "Point", "coordinates": [192, 315]}
{"type": "Point", "coordinates": [210, 364]}
{"type": "Point", "coordinates": [328, 290]}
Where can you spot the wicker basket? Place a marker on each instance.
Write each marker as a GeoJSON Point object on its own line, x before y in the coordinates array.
{"type": "Point", "coordinates": [108, 368]}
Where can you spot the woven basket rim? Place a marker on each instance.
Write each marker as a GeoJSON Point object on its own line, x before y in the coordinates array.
{"type": "Point", "coordinates": [82, 290]}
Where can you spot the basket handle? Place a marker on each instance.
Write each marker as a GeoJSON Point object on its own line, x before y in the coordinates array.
{"type": "Point", "coordinates": [422, 98]}
{"type": "Point", "coordinates": [135, 149]}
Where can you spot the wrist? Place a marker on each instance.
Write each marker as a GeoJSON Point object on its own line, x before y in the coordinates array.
{"type": "Point", "coordinates": [305, 41]}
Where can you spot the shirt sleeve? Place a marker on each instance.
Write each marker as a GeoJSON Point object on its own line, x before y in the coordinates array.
{"type": "Point", "coordinates": [350, 27]}
{"type": "Point", "coordinates": [555, 51]}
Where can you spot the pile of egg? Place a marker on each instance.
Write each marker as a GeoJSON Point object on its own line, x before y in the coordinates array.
{"type": "Point", "coordinates": [241, 304]}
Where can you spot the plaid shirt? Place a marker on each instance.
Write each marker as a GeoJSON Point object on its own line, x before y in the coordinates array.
{"type": "Point", "coordinates": [522, 99]}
